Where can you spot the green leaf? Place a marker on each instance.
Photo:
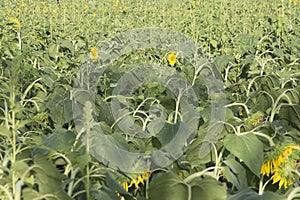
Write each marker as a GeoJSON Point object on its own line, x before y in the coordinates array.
{"type": "Point", "coordinates": [292, 114]}
{"type": "Point", "coordinates": [19, 167]}
{"type": "Point", "coordinates": [208, 188]}
{"type": "Point", "coordinates": [60, 106]}
{"type": "Point", "coordinates": [249, 194]}
{"type": "Point", "coordinates": [103, 196]}
{"type": "Point", "coordinates": [223, 60]}
{"type": "Point", "coordinates": [4, 131]}
{"type": "Point", "coordinates": [68, 45]}
{"type": "Point", "coordinates": [49, 179]}
{"type": "Point", "coordinates": [29, 193]}
{"type": "Point", "coordinates": [48, 77]}
{"type": "Point", "coordinates": [167, 133]}
{"type": "Point", "coordinates": [247, 148]}
{"type": "Point", "coordinates": [169, 186]}
{"type": "Point", "coordinates": [235, 173]}
{"type": "Point", "coordinates": [193, 154]}
{"type": "Point", "coordinates": [272, 195]}
{"type": "Point", "coordinates": [115, 186]}
{"type": "Point", "coordinates": [122, 100]}
{"type": "Point", "coordinates": [103, 109]}
{"type": "Point", "coordinates": [214, 43]}
{"type": "Point", "coordinates": [60, 141]}
{"type": "Point", "coordinates": [52, 51]}
{"type": "Point", "coordinates": [82, 160]}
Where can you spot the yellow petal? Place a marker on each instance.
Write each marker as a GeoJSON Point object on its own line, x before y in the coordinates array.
{"type": "Point", "coordinates": [282, 181]}
{"type": "Point", "coordinates": [276, 177]}
{"type": "Point", "coordinates": [125, 186]}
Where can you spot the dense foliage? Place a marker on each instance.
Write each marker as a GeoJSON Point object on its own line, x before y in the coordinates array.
{"type": "Point", "coordinates": [254, 44]}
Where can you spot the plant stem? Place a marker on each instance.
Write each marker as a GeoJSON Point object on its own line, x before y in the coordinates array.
{"type": "Point", "coordinates": [177, 106]}
{"type": "Point", "coordinates": [198, 174]}
{"type": "Point", "coordinates": [14, 134]}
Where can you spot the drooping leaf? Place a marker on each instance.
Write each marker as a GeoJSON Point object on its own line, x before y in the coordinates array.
{"type": "Point", "coordinates": [235, 173]}
{"type": "Point", "coordinates": [247, 148]}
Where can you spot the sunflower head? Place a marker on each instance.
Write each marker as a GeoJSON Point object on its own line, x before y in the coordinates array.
{"type": "Point", "coordinates": [280, 164]}
{"type": "Point", "coordinates": [15, 21]}
{"type": "Point", "coordinates": [94, 53]}
{"type": "Point", "coordinates": [136, 180]}
{"type": "Point", "coordinates": [172, 59]}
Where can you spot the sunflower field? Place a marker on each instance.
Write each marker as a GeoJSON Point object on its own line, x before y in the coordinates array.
{"type": "Point", "coordinates": [149, 100]}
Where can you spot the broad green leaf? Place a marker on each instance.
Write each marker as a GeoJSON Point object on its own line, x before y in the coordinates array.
{"type": "Point", "coordinates": [19, 167]}
{"type": "Point", "coordinates": [249, 59]}
{"type": "Point", "coordinates": [82, 160]}
{"type": "Point", "coordinates": [249, 194]}
{"type": "Point", "coordinates": [60, 106]}
{"type": "Point", "coordinates": [29, 193]}
{"type": "Point", "coordinates": [4, 131]}
{"type": "Point", "coordinates": [248, 149]}
{"type": "Point", "coordinates": [68, 45]}
{"type": "Point", "coordinates": [105, 128]}
{"type": "Point", "coordinates": [52, 51]}
{"type": "Point", "coordinates": [208, 188]}
{"type": "Point", "coordinates": [115, 186]}
{"type": "Point", "coordinates": [235, 173]}
{"type": "Point", "coordinates": [193, 154]}
{"type": "Point", "coordinates": [167, 133]}
{"type": "Point", "coordinates": [292, 114]}
{"type": "Point", "coordinates": [103, 110]}
{"type": "Point", "coordinates": [122, 100]}
{"type": "Point", "coordinates": [214, 43]}
{"type": "Point", "coordinates": [48, 76]}
{"type": "Point", "coordinates": [223, 60]}
{"type": "Point", "coordinates": [169, 186]}
{"type": "Point", "coordinates": [272, 195]}
{"type": "Point", "coordinates": [60, 141]}
{"type": "Point", "coordinates": [103, 196]}
{"type": "Point", "coordinates": [49, 179]}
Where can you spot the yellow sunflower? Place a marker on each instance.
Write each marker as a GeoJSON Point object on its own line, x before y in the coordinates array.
{"type": "Point", "coordinates": [15, 21]}
{"type": "Point", "coordinates": [281, 163]}
{"type": "Point", "coordinates": [94, 53]}
{"type": "Point", "coordinates": [172, 59]}
{"type": "Point", "coordinates": [136, 181]}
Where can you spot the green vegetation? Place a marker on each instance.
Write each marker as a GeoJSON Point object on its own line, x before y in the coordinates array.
{"type": "Point", "coordinates": [254, 44]}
